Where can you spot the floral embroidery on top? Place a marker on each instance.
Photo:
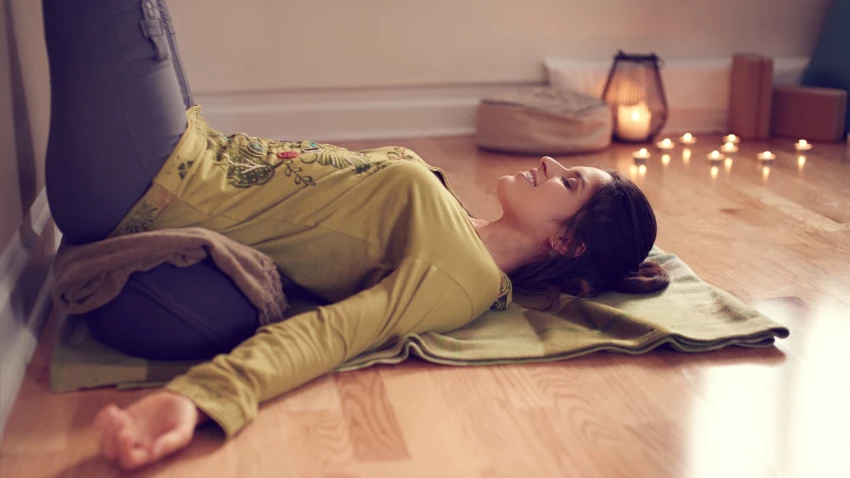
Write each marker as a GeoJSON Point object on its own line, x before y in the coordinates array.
{"type": "Point", "coordinates": [399, 152]}
{"type": "Point", "coordinates": [245, 164]}
{"type": "Point", "coordinates": [141, 220]}
{"type": "Point", "coordinates": [330, 155]}
{"type": "Point", "coordinates": [296, 171]}
{"type": "Point", "coordinates": [251, 161]}
{"type": "Point", "coordinates": [184, 168]}
{"type": "Point", "coordinates": [505, 289]}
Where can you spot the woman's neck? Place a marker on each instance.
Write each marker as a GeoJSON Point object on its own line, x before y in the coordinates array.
{"type": "Point", "coordinates": [509, 247]}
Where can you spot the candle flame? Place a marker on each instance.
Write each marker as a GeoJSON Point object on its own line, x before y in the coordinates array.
{"type": "Point", "coordinates": [688, 137]}
{"type": "Point", "coordinates": [635, 115]}
{"type": "Point", "coordinates": [802, 142]}
{"type": "Point", "coordinates": [643, 152]}
{"type": "Point", "coordinates": [715, 154]}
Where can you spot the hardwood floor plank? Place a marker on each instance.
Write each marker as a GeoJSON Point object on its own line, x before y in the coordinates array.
{"type": "Point", "coordinates": [370, 417]}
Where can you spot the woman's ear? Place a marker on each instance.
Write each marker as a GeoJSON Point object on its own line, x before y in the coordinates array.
{"type": "Point", "coordinates": [563, 244]}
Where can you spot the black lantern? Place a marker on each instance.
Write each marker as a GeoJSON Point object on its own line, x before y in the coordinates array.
{"type": "Point", "coordinates": [636, 96]}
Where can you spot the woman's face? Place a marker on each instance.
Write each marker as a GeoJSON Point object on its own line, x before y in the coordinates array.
{"type": "Point", "coordinates": [548, 195]}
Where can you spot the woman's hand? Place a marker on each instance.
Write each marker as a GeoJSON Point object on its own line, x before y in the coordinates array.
{"type": "Point", "coordinates": [150, 429]}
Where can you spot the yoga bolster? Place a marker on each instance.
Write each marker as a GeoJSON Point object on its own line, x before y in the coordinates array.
{"type": "Point", "coordinates": [173, 313]}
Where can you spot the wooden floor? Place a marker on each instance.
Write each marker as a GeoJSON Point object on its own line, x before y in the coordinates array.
{"type": "Point", "coordinates": [779, 240]}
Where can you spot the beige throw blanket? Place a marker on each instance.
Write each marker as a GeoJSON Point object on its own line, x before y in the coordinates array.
{"type": "Point", "coordinates": [690, 315]}
{"type": "Point", "coordinates": [89, 276]}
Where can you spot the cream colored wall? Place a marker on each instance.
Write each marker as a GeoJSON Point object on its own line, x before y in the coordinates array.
{"type": "Point", "coordinates": [24, 112]}
{"type": "Point", "coordinates": [9, 188]}
{"type": "Point", "coordinates": [266, 45]}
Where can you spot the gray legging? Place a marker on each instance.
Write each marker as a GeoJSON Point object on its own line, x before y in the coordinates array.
{"type": "Point", "coordinates": [118, 101]}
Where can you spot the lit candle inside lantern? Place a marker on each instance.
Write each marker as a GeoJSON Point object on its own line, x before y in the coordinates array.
{"type": "Point", "coordinates": [729, 147]}
{"type": "Point", "coordinates": [665, 144]}
{"type": "Point", "coordinates": [688, 138]}
{"type": "Point", "coordinates": [766, 156]}
{"type": "Point", "coordinates": [633, 122]}
{"type": "Point", "coordinates": [802, 145]}
{"type": "Point", "coordinates": [715, 156]}
{"type": "Point", "coordinates": [641, 155]}
{"type": "Point", "coordinates": [731, 138]}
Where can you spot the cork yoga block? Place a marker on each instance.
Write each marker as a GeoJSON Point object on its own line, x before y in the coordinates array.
{"type": "Point", "coordinates": [750, 89]}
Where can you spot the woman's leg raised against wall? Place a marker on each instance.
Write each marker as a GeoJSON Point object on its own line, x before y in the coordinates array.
{"type": "Point", "coordinates": [118, 101]}
{"type": "Point", "coordinates": [118, 105]}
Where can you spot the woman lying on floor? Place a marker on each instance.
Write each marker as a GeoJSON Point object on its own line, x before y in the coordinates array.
{"type": "Point", "coordinates": [377, 233]}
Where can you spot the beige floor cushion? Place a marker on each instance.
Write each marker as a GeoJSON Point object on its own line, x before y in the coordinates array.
{"type": "Point", "coordinates": [542, 120]}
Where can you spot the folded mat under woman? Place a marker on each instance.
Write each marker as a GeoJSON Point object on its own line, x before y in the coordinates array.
{"type": "Point", "coordinates": [690, 315]}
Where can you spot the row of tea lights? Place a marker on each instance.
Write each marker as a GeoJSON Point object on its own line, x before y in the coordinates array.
{"type": "Point", "coordinates": [730, 146]}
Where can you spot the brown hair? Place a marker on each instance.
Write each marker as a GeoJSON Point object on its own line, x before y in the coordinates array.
{"type": "Point", "coordinates": [617, 228]}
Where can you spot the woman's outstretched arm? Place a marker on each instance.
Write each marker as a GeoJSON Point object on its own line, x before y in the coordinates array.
{"type": "Point", "coordinates": [415, 298]}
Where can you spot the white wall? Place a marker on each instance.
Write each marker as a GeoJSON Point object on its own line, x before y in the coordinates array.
{"type": "Point", "coordinates": [26, 232]}
{"type": "Point", "coordinates": [24, 111]}
{"type": "Point", "coordinates": [10, 190]}
{"type": "Point", "coordinates": [270, 45]}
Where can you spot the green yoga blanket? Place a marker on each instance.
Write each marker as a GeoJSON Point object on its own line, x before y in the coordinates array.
{"type": "Point", "coordinates": [690, 315]}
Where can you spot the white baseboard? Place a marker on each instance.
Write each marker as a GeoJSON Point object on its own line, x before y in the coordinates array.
{"type": "Point", "coordinates": [25, 302]}
{"type": "Point", "coordinates": [350, 114]}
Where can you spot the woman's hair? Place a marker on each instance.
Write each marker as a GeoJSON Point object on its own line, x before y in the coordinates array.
{"type": "Point", "coordinates": [617, 227]}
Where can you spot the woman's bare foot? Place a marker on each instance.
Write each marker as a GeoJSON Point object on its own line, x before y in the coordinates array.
{"type": "Point", "coordinates": [148, 430]}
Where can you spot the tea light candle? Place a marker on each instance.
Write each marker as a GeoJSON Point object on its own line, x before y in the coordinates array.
{"type": "Point", "coordinates": [729, 147]}
{"type": "Point", "coordinates": [641, 155]}
{"type": "Point", "coordinates": [802, 145]}
{"type": "Point", "coordinates": [688, 138]}
{"type": "Point", "coordinates": [731, 138]}
{"type": "Point", "coordinates": [715, 156]}
{"type": "Point", "coordinates": [665, 144]}
{"type": "Point", "coordinates": [766, 156]}
{"type": "Point", "coordinates": [633, 122]}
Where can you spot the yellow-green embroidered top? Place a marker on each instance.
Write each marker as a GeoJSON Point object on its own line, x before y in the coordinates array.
{"type": "Point", "coordinates": [378, 233]}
